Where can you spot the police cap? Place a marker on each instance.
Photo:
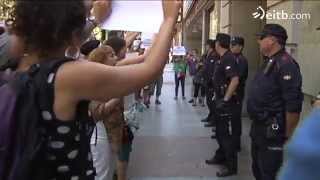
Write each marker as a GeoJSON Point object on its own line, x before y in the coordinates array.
{"type": "Point", "coordinates": [237, 40]}
{"type": "Point", "coordinates": [275, 30]}
{"type": "Point", "coordinates": [223, 39]}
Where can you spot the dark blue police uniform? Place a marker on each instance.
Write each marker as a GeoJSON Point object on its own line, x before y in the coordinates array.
{"type": "Point", "coordinates": [225, 69]}
{"type": "Point", "coordinates": [209, 64]}
{"type": "Point", "coordinates": [275, 90]}
{"type": "Point", "coordinates": [243, 74]}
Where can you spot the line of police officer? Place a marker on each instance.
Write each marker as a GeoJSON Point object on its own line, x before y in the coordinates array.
{"type": "Point", "coordinates": [274, 100]}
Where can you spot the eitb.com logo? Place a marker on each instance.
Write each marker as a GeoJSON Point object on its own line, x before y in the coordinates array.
{"type": "Point", "coordinates": [279, 15]}
{"type": "Point", "coordinates": [260, 13]}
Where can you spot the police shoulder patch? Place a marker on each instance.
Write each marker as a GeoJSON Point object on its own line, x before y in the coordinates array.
{"type": "Point", "coordinates": [228, 67]}
{"type": "Point", "coordinates": [287, 77]}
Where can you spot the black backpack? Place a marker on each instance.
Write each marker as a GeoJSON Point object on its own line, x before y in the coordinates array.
{"type": "Point", "coordinates": [22, 107]}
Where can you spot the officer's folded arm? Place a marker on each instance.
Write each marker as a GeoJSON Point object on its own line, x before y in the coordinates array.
{"type": "Point", "coordinates": [234, 82]}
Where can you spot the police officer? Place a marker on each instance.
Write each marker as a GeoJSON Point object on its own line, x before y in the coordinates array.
{"type": "Point", "coordinates": [274, 102]}
{"type": "Point", "coordinates": [225, 82]}
{"type": "Point", "coordinates": [237, 45]}
{"type": "Point", "coordinates": [209, 60]}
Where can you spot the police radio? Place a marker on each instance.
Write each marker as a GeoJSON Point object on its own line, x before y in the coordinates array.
{"type": "Point", "coordinates": [269, 67]}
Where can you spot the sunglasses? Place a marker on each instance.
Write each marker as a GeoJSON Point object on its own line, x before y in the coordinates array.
{"type": "Point", "coordinates": [263, 36]}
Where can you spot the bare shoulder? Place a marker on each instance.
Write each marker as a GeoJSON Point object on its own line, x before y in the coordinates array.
{"type": "Point", "coordinates": [78, 76]}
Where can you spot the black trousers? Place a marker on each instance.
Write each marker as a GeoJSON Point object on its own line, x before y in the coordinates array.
{"type": "Point", "coordinates": [266, 161]}
{"type": "Point", "coordinates": [199, 88]}
{"type": "Point", "coordinates": [267, 154]}
{"type": "Point", "coordinates": [227, 151]}
{"type": "Point", "coordinates": [177, 82]}
{"type": "Point", "coordinates": [210, 103]}
{"type": "Point", "coordinates": [237, 124]}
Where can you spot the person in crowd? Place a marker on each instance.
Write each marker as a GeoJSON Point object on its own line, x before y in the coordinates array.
{"type": "Point", "coordinates": [237, 45]}
{"type": "Point", "coordinates": [146, 90]}
{"type": "Point", "coordinates": [120, 47]}
{"type": "Point", "coordinates": [198, 83]}
{"type": "Point", "coordinates": [111, 113]}
{"type": "Point", "coordinates": [210, 58]}
{"type": "Point", "coordinates": [105, 141]}
{"type": "Point", "coordinates": [4, 45]}
{"type": "Point", "coordinates": [60, 25]}
{"type": "Point", "coordinates": [88, 47]}
{"type": "Point", "coordinates": [302, 157]}
{"type": "Point", "coordinates": [157, 87]}
{"type": "Point", "coordinates": [192, 62]}
{"type": "Point", "coordinates": [180, 69]}
{"type": "Point", "coordinates": [274, 102]}
{"type": "Point", "coordinates": [225, 83]}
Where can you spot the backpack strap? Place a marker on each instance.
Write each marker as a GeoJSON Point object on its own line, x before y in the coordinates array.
{"type": "Point", "coordinates": [44, 75]}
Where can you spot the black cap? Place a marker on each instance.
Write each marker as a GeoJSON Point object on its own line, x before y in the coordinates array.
{"type": "Point", "coordinates": [211, 43]}
{"type": "Point", "coordinates": [237, 40]}
{"type": "Point", "coordinates": [223, 39]}
{"type": "Point", "coordinates": [275, 30]}
{"type": "Point", "coordinates": [89, 46]}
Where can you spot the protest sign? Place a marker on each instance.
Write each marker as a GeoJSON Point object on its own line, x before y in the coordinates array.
{"type": "Point", "coordinates": [179, 51]}
{"type": "Point", "coordinates": [138, 16]}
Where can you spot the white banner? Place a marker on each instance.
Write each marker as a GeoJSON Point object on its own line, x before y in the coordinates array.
{"type": "Point", "coordinates": [179, 51]}
{"type": "Point", "coordinates": [147, 39]}
{"type": "Point", "coordinates": [138, 16]}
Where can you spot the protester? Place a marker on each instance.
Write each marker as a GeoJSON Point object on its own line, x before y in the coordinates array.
{"type": "Point", "coordinates": [120, 135]}
{"type": "Point", "coordinates": [180, 69]}
{"type": "Point", "coordinates": [191, 60]}
{"type": "Point", "coordinates": [59, 25]}
{"type": "Point", "coordinates": [4, 39]}
{"type": "Point", "coordinates": [198, 82]}
{"type": "Point", "coordinates": [105, 114]}
{"type": "Point", "coordinates": [157, 87]}
{"type": "Point", "coordinates": [302, 157]}
{"type": "Point", "coordinates": [88, 47]}
{"type": "Point", "coordinates": [119, 46]}
{"type": "Point", "coordinates": [302, 150]}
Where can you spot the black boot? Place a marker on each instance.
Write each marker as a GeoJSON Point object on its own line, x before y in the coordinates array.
{"type": "Point", "coordinates": [215, 161]}
{"type": "Point", "coordinates": [205, 120]}
{"type": "Point", "coordinates": [225, 172]}
{"type": "Point", "coordinates": [209, 124]}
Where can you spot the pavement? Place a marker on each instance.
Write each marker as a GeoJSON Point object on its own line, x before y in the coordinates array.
{"type": "Point", "coordinates": [172, 143]}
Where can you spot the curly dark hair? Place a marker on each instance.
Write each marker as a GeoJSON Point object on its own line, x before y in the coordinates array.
{"type": "Point", "coordinates": [116, 43]}
{"type": "Point", "coordinates": [47, 25]}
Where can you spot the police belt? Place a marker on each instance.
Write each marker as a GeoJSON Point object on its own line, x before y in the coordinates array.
{"type": "Point", "coordinates": [272, 124]}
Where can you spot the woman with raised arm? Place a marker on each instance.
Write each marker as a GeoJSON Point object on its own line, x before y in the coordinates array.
{"type": "Point", "coordinates": [47, 28]}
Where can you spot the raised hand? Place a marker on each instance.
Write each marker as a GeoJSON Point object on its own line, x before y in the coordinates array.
{"type": "Point", "coordinates": [171, 8]}
{"type": "Point", "coordinates": [101, 10]}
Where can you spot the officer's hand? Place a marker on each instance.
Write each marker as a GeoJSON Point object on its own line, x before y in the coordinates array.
{"type": "Point", "coordinates": [221, 104]}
